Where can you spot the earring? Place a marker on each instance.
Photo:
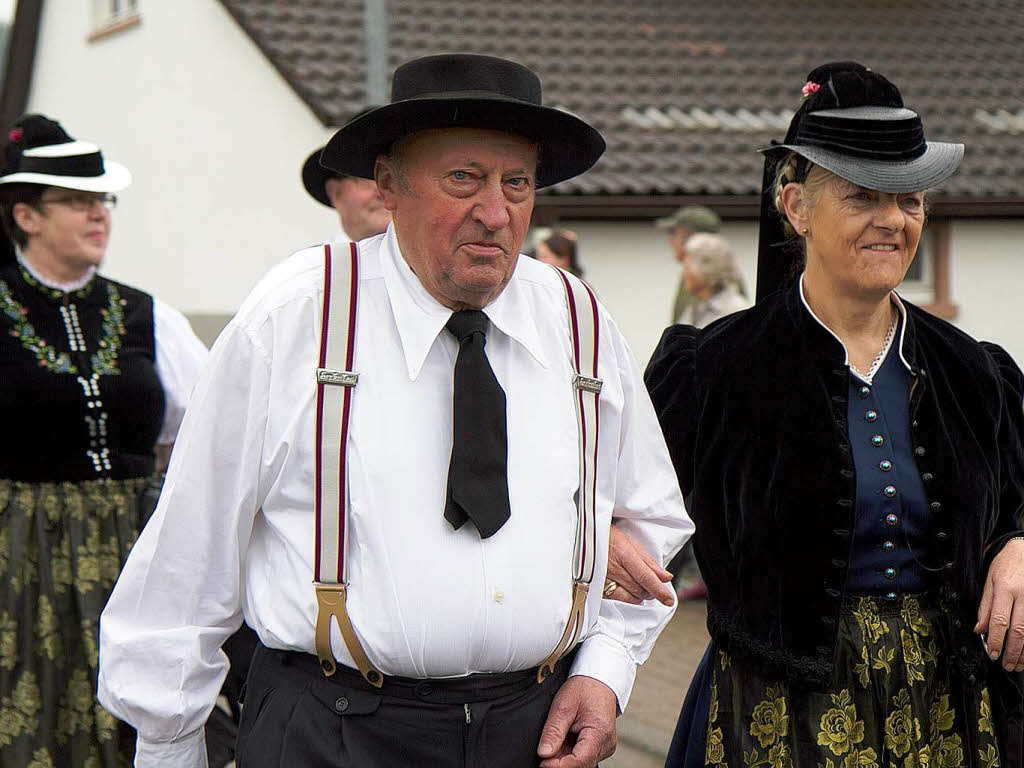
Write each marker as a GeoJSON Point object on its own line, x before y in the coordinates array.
{"type": "Point", "coordinates": [805, 230]}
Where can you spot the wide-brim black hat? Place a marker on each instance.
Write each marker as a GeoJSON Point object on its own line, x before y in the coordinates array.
{"type": "Point", "coordinates": [315, 176]}
{"type": "Point", "coordinates": [853, 123]}
{"type": "Point", "coordinates": [467, 91]}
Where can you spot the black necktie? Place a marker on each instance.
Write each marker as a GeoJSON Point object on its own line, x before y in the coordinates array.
{"type": "Point", "coordinates": [477, 475]}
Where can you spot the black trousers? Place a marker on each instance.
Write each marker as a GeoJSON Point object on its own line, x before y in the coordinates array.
{"type": "Point", "coordinates": [295, 717]}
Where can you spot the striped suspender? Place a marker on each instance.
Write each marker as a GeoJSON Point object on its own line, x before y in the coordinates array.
{"type": "Point", "coordinates": [335, 382]}
{"type": "Point", "coordinates": [586, 389]}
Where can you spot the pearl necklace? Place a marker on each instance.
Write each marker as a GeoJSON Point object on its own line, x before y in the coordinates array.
{"type": "Point", "coordinates": [880, 357]}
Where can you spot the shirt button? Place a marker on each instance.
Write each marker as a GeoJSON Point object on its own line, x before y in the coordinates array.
{"type": "Point", "coordinates": [927, 477]}
{"type": "Point", "coordinates": [888, 546]}
{"type": "Point", "coordinates": [892, 518]}
{"type": "Point", "coordinates": [891, 595]}
{"type": "Point", "coordinates": [889, 490]}
{"type": "Point", "coordinates": [871, 416]}
{"type": "Point", "coordinates": [920, 451]}
{"type": "Point", "coordinates": [878, 441]}
{"type": "Point", "coordinates": [936, 507]}
{"type": "Point", "coordinates": [971, 679]}
{"type": "Point", "coordinates": [941, 535]}
{"type": "Point", "coordinates": [864, 391]}
{"type": "Point", "coordinates": [890, 573]}
{"type": "Point", "coordinates": [499, 596]}
{"type": "Point", "coordinates": [885, 465]}
{"type": "Point", "coordinates": [424, 689]}
{"type": "Point", "coordinates": [341, 704]}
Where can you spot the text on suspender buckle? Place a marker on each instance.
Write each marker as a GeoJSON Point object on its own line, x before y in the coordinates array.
{"type": "Point", "coordinates": [337, 378]}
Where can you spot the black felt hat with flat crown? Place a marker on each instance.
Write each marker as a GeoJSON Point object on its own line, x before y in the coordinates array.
{"type": "Point", "coordinates": [467, 91]}
{"type": "Point", "coordinates": [853, 123]}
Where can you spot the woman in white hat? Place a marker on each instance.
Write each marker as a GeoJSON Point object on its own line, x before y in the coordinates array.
{"type": "Point", "coordinates": [95, 378]}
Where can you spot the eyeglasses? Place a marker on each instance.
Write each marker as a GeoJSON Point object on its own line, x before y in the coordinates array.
{"type": "Point", "coordinates": [83, 201]}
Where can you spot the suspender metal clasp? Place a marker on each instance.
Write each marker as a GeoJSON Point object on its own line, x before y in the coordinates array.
{"type": "Point", "coordinates": [338, 378]}
{"type": "Point", "coordinates": [587, 383]}
{"type": "Point", "coordinates": [330, 601]}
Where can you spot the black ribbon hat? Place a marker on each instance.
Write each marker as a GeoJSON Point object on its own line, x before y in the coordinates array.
{"type": "Point", "coordinates": [39, 151]}
{"type": "Point", "coordinates": [467, 91]}
{"type": "Point", "coordinates": [853, 123]}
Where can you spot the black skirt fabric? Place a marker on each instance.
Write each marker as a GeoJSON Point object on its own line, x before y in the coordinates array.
{"type": "Point", "coordinates": [892, 702]}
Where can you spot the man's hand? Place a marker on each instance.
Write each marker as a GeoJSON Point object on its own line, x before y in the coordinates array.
{"type": "Point", "coordinates": [637, 573]}
{"type": "Point", "coordinates": [580, 729]}
{"type": "Point", "coordinates": [1002, 606]}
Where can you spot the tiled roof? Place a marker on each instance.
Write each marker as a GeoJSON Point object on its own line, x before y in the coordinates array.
{"type": "Point", "coordinates": [685, 91]}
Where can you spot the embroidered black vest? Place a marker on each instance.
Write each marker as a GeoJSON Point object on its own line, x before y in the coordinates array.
{"type": "Point", "coordinates": [79, 395]}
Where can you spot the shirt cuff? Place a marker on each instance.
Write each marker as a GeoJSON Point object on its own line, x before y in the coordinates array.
{"type": "Point", "coordinates": [609, 662]}
{"type": "Point", "coordinates": [187, 752]}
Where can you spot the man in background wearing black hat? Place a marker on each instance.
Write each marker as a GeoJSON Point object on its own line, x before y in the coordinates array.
{"type": "Point", "coordinates": [445, 475]}
{"type": "Point", "coordinates": [361, 212]}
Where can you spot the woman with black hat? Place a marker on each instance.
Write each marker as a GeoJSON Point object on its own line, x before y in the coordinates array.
{"type": "Point", "coordinates": [95, 376]}
{"type": "Point", "coordinates": [865, 531]}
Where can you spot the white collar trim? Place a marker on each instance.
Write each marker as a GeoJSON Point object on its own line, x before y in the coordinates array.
{"type": "Point", "coordinates": [846, 355]}
{"type": "Point", "coordinates": [74, 285]}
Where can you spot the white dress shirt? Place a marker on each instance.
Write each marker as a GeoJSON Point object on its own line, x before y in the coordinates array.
{"type": "Point", "coordinates": [233, 533]}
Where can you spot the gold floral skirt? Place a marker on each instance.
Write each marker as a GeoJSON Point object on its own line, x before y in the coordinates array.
{"type": "Point", "coordinates": [891, 705]}
{"type": "Point", "coordinates": [62, 546]}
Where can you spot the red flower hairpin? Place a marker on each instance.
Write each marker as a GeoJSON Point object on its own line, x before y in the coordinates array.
{"type": "Point", "coordinates": [15, 134]}
{"type": "Point", "coordinates": [809, 88]}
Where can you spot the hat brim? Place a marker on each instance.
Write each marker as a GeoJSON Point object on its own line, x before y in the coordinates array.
{"type": "Point", "coordinates": [115, 178]}
{"type": "Point", "coordinates": [315, 176]}
{"type": "Point", "coordinates": [567, 146]}
{"type": "Point", "coordinates": [938, 163]}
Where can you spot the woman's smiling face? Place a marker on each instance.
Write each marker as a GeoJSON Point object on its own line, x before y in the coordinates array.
{"type": "Point", "coordinates": [863, 240]}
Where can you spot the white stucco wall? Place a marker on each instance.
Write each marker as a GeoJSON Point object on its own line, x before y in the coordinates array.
{"type": "Point", "coordinates": [632, 269]}
{"type": "Point", "coordinates": [214, 138]}
{"type": "Point", "coordinates": [988, 281]}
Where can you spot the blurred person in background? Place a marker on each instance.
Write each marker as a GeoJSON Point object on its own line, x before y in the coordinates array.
{"type": "Point", "coordinates": [710, 280]}
{"type": "Point", "coordinates": [680, 227]}
{"type": "Point", "coordinates": [709, 276]}
{"type": "Point", "coordinates": [560, 248]}
{"type": "Point", "coordinates": [361, 212]}
{"type": "Point", "coordinates": [95, 378]}
{"type": "Point", "coordinates": [855, 467]}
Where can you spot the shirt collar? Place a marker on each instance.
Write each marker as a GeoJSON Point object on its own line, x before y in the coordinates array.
{"type": "Point", "coordinates": [846, 355]}
{"type": "Point", "coordinates": [420, 317]}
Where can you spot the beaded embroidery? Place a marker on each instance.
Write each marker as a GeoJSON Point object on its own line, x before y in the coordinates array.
{"type": "Point", "coordinates": [104, 359]}
{"type": "Point", "coordinates": [53, 293]}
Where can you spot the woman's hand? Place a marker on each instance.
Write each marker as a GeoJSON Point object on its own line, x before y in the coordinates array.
{"type": "Point", "coordinates": [637, 574]}
{"type": "Point", "coordinates": [1002, 606]}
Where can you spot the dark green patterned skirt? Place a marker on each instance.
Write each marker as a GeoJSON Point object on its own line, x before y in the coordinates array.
{"type": "Point", "coordinates": [892, 703]}
{"type": "Point", "coordinates": [62, 546]}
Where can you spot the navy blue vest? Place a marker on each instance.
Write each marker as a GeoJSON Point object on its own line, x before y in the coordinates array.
{"type": "Point", "coordinates": [893, 520]}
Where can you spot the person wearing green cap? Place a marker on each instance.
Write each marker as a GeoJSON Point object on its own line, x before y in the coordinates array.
{"type": "Point", "coordinates": [681, 226]}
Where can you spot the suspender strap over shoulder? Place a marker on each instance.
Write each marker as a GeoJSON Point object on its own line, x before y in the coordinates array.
{"type": "Point", "coordinates": [335, 383]}
{"type": "Point", "coordinates": [586, 390]}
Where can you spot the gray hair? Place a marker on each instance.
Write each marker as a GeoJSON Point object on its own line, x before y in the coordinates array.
{"type": "Point", "coordinates": [711, 257]}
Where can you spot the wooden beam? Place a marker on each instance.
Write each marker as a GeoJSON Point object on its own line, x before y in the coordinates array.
{"type": "Point", "coordinates": [21, 55]}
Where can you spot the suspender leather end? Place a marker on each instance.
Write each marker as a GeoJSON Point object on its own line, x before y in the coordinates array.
{"type": "Point", "coordinates": [330, 601]}
{"type": "Point", "coordinates": [572, 630]}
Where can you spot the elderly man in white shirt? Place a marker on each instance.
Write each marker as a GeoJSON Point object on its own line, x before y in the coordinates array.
{"type": "Point", "coordinates": [456, 644]}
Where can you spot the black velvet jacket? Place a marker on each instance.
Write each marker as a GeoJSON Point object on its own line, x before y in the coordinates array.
{"type": "Point", "coordinates": [754, 412]}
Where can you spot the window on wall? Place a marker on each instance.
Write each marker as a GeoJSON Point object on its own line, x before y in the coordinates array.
{"type": "Point", "coordinates": [927, 280]}
{"type": "Point", "coordinates": [109, 16]}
